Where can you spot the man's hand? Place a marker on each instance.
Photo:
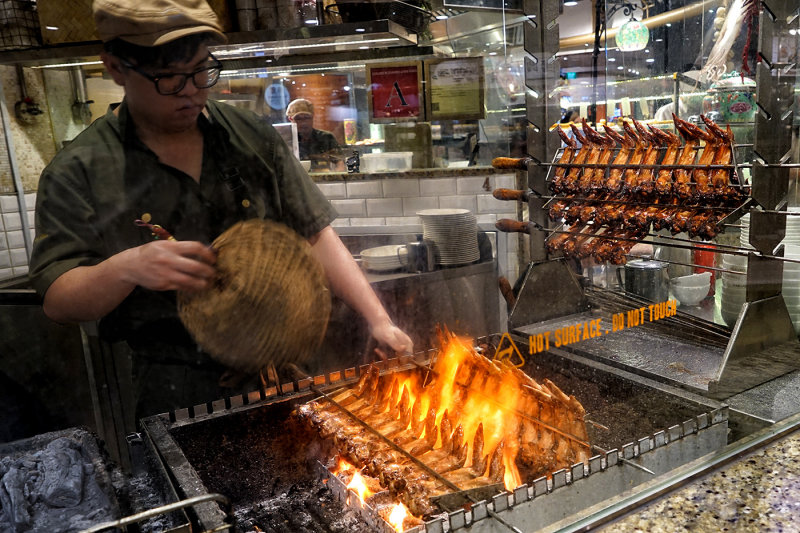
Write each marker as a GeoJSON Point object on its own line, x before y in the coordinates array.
{"type": "Point", "coordinates": [171, 265]}
{"type": "Point", "coordinates": [387, 334]}
{"type": "Point", "coordinates": [91, 292]}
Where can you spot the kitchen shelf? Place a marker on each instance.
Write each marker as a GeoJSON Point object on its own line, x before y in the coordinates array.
{"type": "Point", "coordinates": [308, 42]}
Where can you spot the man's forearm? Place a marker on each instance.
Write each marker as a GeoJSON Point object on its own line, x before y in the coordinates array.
{"type": "Point", "coordinates": [87, 292]}
{"type": "Point", "coordinates": [346, 279]}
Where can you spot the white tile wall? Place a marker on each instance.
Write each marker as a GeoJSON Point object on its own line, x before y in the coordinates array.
{"type": "Point", "coordinates": [473, 185]}
{"type": "Point", "coordinates": [9, 204]}
{"type": "Point", "coordinates": [364, 189]}
{"type": "Point", "coordinates": [15, 239]}
{"type": "Point", "coordinates": [333, 190]}
{"type": "Point", "coordinates": [437, 186]}
{"type": "Point", "coordinates": [350, 208]}
{"type": "Point", "coordinates": [459, 202]}
{"type": "Point", "coordinates": [489, 204]}
{"type": "Point", "coordinates": [12, 243]}
{"type": "Point", "coordinates": [395, 202]}
{"type": "Point", "coordinates": [412, 205]}
{"type": "Point", "coordinates": [404, 188]}
{"type": "Point", "coordinates": [368, 221]}
{"type": "Point", "coordinates": [382, 207]}
{"type": "Point", "coordinates": [12, 221]}
{"type": "Point", "coordinates": [19, 257]}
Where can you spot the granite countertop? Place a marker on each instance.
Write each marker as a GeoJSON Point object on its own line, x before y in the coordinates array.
{"type": "Point", "coordinates": [413, 173]}
{"type": "Point", "coordinates": [759, 492]}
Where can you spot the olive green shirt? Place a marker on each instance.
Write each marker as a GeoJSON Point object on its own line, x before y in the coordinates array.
{"type": "Point", "coordinates": [96, 187]}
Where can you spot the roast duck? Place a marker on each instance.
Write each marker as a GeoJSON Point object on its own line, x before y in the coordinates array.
{"type": "Point", "coordinates": [613, 188]}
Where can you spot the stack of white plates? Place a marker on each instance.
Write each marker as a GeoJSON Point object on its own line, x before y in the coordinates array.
{"type": "Point", "coordinates": [454, 233]}
{"type": "Point", "coordinates": [384, 258]}
{"type": "Point", "coordinates": [734, 286]}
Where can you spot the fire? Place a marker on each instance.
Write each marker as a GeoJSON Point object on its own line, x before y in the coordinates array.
{"type": "Point", "coordinates": [398, 516]}
{"type": "Point", "coordinates": [359, 486]}
{"type": "Point", "coordinates": [476, 421]}
{"type": "Point", "coordinates": [473, 407]}
{"type": "Point", "coordinates": [357, 483]}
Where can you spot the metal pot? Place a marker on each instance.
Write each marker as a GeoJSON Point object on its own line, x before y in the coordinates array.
{"type": "Point", "coordinates": [646, 278]}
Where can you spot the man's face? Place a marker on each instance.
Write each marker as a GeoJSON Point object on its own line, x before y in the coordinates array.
{"type": "Point", "coordinates": [305, 123]}
{"type": "Point", "coordinates": [172, 113]}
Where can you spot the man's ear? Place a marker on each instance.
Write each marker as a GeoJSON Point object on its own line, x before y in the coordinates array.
{"type": "Point", "coordinates": [114, 67]}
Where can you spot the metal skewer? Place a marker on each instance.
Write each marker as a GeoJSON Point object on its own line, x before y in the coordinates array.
{"type": "Point", "coordinates": [446, 482]}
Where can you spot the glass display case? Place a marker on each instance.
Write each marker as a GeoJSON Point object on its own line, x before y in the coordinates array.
{"type": "Point", "coordinates": [659, 238]}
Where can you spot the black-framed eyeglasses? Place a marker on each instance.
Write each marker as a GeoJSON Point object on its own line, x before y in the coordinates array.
{"type": "Point", "coordinates": [173, 83]}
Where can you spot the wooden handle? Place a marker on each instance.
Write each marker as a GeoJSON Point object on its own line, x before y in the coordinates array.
{"type": "Point", "coordinates": [508, 225]}
{"type": "Point", "coordinates": [507, 292]}
{"type": "Point", "coordinates": [511, 163]}
{"type": "Point", "coordinates": [510, 194]}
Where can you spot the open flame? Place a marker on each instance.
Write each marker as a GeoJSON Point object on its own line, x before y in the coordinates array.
{"type": "Point", "coordinates": [359, 486]}
{"type": "Point", "coordinates": [473, 407]}
{"type": "Point", "coordinates": [478, 422]}
{"type": "Point", "coordinates": [398, 516]}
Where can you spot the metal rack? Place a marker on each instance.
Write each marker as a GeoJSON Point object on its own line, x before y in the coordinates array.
{"type": "Point", "coordinates": [762, 344]}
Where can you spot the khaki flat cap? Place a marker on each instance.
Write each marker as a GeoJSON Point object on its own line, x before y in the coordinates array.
{"type": "Point", "coordinates": [301, 106]}
{"type": "Point", "coordinates": [154, 22]}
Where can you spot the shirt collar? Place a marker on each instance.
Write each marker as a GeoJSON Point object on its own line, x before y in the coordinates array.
{"type": "Point", "coordinates": [121, 121]}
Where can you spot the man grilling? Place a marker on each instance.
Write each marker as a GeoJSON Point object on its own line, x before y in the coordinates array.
{"type": "Point", "coordinates": [195, 167]}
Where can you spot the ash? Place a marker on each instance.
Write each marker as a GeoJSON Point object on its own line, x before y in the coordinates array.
{"type": "Point", "coordinates": [261, 460]}
{"type": "Point", "coordinates": [51, 486]}
{"type": "Point", "coordinates": [306, 508]}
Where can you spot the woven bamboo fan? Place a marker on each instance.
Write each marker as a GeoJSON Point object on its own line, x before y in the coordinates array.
{"type": "Point", "coordinates": [269, 303]}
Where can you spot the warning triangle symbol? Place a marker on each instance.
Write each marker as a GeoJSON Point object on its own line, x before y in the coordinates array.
{"type": "Point", "coordinates": [509, 353]}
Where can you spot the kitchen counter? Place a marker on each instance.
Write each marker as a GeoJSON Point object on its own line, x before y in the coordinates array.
{"type": "Point", "coordinates": [413, 173]}
{"type": "Point", "coordinates": [759, 492]}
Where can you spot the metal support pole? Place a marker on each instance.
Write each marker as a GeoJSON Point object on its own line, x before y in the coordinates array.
{"type": "Point", "coordinates": [543, 109]}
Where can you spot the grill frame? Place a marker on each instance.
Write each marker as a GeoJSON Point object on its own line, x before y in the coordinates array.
{"type": "Point", "coordinates": [543, 501]}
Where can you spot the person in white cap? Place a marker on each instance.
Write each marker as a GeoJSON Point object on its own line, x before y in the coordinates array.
{"type": "Point", "coordinates": [168, 155]}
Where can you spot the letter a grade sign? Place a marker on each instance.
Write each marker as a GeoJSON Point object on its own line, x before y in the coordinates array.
{"type": "Point", "coordinates": [394, 91]}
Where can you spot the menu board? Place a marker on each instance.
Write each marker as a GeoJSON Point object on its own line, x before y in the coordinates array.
{"type": "Point", "coordinates": [395, 91]}
{"type": "Point", "coordinates": [455, 88]}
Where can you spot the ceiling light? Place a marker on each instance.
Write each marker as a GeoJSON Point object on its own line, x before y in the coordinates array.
{"type": "Point", "coordinates": [650, 60]}
{"type": "Point", "coordinates": [612, 59]}
{"type": "Point", "coordinates": [442, 17]}
{"type": "Point", "coordinates": [620, 67]}
{"type": "Point", "coordinates": [570, 3]}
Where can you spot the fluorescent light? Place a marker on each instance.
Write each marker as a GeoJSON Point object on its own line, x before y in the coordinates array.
{"type": "Point", "coordinates": [442, 17]}
{"type": "Point", "coordinates": [650, 60]}
{"type": "Point", "coordinates": [612, 59]}
{"type": "Point", "coordinates": [51, 28]}
{"type": "Point", "coordinates": [620, 67]}
{"type": "Point", "coordinates": [77, 64]}
{"type": "Point", "coordinates": [570, 3]}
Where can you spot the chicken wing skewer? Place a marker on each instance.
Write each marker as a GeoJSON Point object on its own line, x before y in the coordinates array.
{"type": "Point", "coordinates": [631, 173]}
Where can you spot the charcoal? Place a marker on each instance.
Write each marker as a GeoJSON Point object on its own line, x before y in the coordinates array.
{"type": "Point", "coordinates": [63, 474]}
{"type": "Point", "coordinates": [12, 495]}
